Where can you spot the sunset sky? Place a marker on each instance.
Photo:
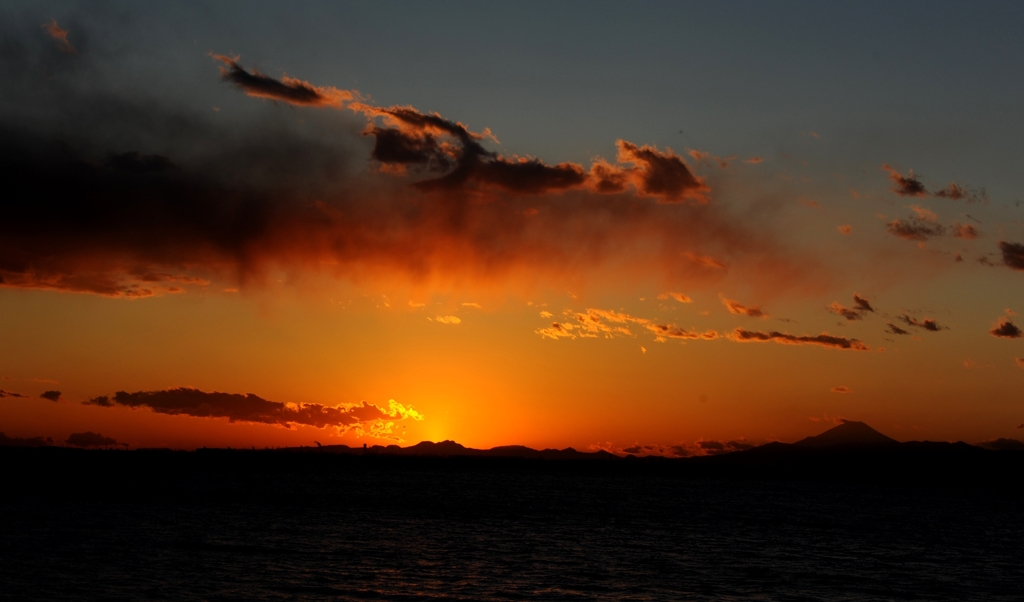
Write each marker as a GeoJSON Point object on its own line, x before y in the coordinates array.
{"type": "Point", "coordinates": [666, 229]}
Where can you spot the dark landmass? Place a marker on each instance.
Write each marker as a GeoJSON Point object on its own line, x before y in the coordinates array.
{"type": "Point", "coordinates": [851, 451]}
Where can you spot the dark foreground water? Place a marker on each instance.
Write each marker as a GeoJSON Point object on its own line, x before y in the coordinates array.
{"type": "Point", "coordinates": [357, 529]}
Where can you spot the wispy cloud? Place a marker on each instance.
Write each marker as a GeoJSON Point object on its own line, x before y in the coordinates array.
{"type": "Point", "coordinates": [926, 324]}
{"type": "Point", "coordinates": [823, 339]}
{"type": "Point", "coordinates": [663, 332]}
{"type": "Point", "coordinates": [915, 229]}
{"type": "Point", "coordinates": [680, 297]}
{"type": "Point", "coordinates": [896, 329]}
{"type": "Point", "coordinates": [965, 231]}
{"type": "Point", "coordinates": [90, 439]}
{"type": "Point", "coordinates": [737, 308]}
{"type": "Point", "coordinates": [287, 89]}
{"type": "Point", "coordinates": [61, 35]}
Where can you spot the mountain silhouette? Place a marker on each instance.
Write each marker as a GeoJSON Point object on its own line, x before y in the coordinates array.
{"type": "Point", "coordinates": [848, 432]}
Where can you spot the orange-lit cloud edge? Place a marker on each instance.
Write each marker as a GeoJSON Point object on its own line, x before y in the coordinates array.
{"type": "Point", "coordinates": [476, 214]}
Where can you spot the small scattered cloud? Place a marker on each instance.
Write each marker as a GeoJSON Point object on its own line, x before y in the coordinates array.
{"type": "Point", "coordinates": [707, 261]}
{"type": "Point", "coordinates": [915, 229]}
{"type": "Point", "coordinates": [862, 306]}
{"type": "Point", "coordinates": [1013, 254]}
{"type": "Point", "coordinates": [416, 304]}
{"type": "Point", "coordinates": [955, 192]}
{"type": "Point", "coordinates": [740, 309]}
{"type": "Point", "coordinates": [592, 322]}
{"type": "Point", "coordinates": [1020, 362]}
{"type": "Point", "coordinates": [447, 319]}
{"type": "Point", "coordinates": [643, 350]}
{"type": "Point", "coordinates": [557, 331]}
{"type": "Point", "coordinates": [907, 185]}
{"type": "Point", "coordinates": [893, 329]}
{"type": "Point", "coordinates": [1006, 329]}
{"type": "Point", "coordinates": [824, 339]}
{"type": "Point", "coordinates": [51, 395]}
{"type": "Point", "coordinates": [862, 303]}
{"type": "Point", "coordinates": [546, 314]}
{"type": "Point", "coordinates": [926, 324]}
{"type": "Point", "coordinates": [842, 389]}
{"type": "Point", "coordinates": [61, 35]}
{"type": "Point", "coordinates": [754, 160]}
{"type": "Point", "coordinates": [89, 439]}
{"type": "Point", "coordinates": [952, 191]}
{"type": "Point", "coordinates": [471, 304]}
{"type": "Point", "coordinates": [706, 158]}
{"type": "Point", "coordinates": [965, 231]}
{"type": "Point", "coordinates": [11, 394]}
{"type": "Point", "coordinates": [845, 229]}
{"type": "Point", "coordinates": [924, 214]}
{"type": "Point", "coordinates": [680, 297]}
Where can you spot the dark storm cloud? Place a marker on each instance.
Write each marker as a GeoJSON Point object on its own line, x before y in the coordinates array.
{"type": "Point", "coordinates": [413, 138]}
{"type": "Point", "coordinates": [51, 395]}
{"type": "Point", "coordinates": [824, 339]}
{"type": "Point", "coordinates": [1006, 329]}
{"type": "Point", "coordinates": [1013, 254]}
{"type": "Point", "coordinates": [287, 89]}
{"type": "Point", "coordinates": [126, 195]}
{"type": "Point", "coordinates": [89, 439]}
{"type": "Point", "coordinates": [926, 324]}
{"type": "Point", "coordinates": [252, 408]}
{"type": "Point", "coordinates": [907, 185]}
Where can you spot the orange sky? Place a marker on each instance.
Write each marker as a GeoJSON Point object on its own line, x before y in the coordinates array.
{"type": "Point", "coordinates": [656, 295]}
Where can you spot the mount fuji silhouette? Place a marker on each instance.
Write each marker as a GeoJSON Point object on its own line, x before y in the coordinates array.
{"type": "Point", "coordinates": [848, 432]}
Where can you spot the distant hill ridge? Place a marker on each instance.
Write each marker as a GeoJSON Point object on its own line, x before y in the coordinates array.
{"type": "Point", "coordinates": [848, 437]}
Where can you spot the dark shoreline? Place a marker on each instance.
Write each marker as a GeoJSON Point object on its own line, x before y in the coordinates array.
{"type": "Point", "coordinates": [939, 465]}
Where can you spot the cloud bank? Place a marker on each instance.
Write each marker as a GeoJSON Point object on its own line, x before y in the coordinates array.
{"type": "Point", "coordinates": [363, 418]}
{"type": "Point", "coordinates": [134, 198]}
